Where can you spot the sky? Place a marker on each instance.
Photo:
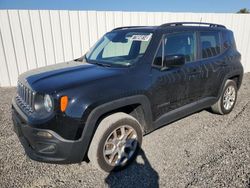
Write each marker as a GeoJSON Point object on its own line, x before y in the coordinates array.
{"type": "Point", "coordinates": [214, 6]}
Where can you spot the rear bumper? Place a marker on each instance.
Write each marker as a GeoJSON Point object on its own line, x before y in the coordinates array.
{"type": "Point", "coordinates": [46, 145]}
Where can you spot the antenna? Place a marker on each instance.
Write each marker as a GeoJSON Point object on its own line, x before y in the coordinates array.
{"type": "Point", "coordinates": [200, 22]}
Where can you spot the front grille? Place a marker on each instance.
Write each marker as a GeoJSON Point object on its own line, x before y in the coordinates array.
{"type": "Point", "coordinates": [25, 98]}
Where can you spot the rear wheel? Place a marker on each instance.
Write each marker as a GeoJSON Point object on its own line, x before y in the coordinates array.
{"type": "Point", "coordinates": [116, 142]}
{"type": "Point", "coordinates": [227, 100]}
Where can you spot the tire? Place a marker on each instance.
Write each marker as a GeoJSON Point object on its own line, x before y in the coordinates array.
{"type": "Point", "coordinates": [220, 106]}
{"type": "Point", "coordinates": [106, 148]}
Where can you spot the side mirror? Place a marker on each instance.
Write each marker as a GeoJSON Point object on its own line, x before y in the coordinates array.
{"type": "Point", "coordinates": [174, 60]}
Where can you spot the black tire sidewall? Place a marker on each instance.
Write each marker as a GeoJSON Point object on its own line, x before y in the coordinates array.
{"type": "Point", "coordinates": [230, 83]}
{"type": "Point", "coordinates": [125, 121]}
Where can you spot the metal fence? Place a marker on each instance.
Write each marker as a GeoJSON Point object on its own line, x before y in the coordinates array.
{"type": "Point", "coordinates": [35, 38]}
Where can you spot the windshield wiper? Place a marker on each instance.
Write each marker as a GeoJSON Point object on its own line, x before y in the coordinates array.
{"type": "Point", "coordinates": [97, 63]}
{"type": "Point", "coordinates": [102, 64]}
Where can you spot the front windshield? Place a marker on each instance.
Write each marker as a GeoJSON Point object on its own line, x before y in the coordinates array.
{"type": "Point", "coordinates": [119, 48]}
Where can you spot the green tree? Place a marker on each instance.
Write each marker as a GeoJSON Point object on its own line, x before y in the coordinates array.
{"type": "Point", "coordinates": [243, 11]}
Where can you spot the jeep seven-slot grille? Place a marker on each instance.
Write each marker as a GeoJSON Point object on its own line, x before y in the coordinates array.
{"type": "Point", "coordinates": [25, 98]}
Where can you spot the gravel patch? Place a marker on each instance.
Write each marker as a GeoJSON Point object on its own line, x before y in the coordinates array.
{"type": "Point", "coordinates": [201, 150]}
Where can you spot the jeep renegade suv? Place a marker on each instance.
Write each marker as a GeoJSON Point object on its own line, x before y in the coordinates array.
{"type": "Point", "coordinates": [133, 81]}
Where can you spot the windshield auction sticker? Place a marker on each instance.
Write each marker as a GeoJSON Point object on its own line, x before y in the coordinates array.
{"type": "Point", "coordinates": [145, 37]}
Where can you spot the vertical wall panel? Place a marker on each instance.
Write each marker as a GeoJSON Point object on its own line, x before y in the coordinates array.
{"type": "Point", "coordinates": [118, 19]}
{"type": "Point", "coordinates": [57, 36]}
{"type": "Point", "coordinates": [93, 29]}
{"type": "Point", "coordinates": [38, 38]}
{"type": "Point", "coordinates": [126, 19]}
{"type": "Point", "coordinates": [4, 72]}
{"type": "Point", "coordinates": [33, 38]}
{"type": "Point", "coordinates": [243, 37]}
{"type": "Point", "coordinates": [8, 46]}
{"type": "Point", "coordinates": [28, 39]}
{"type": "Point", "coordinates": [150, 18]}
{"type": "Point", "coordinates": [158, 18]}
{"type": "Point", "coordinates": [101, 24]}
{"type": "Point", "coordinates": [66, 35]}
{"type": "Point", "coordinates": [18, 41]}
{"type": "Point", "coordinates": [110, 22]}
{"type": "Point", "coordinates": [75, 34]}
{"type": "Point", "coordinates": [165, 17]}
{"type": "Point", "coordinates": [246, 53]}
{"type": "Point", "coordinates": [143, 18]}
{"type": "Point", "coordinates": [134, 16]}
{"type": "Point", "coordinates": [47, 37]}
{"type": "Point", "coordinates": [84, 29]}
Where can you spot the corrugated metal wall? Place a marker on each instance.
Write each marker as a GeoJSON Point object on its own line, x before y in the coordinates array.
{"type": "Point", "coordinates": [35, 38]}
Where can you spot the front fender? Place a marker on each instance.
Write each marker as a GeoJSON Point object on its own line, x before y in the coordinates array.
{"type": "Point", "coordinates": [90, 117]}
{"type": "Point", "coordinates": [93, 113]}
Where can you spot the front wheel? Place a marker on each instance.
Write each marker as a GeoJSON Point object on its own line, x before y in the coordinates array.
{"type": "Point", "coordinates": [227, 100]}
{"type": "Point", "coordinates": [116, 142]}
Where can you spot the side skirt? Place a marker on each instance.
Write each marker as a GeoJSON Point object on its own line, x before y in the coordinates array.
{"type": "Point", "coordinates": [183, 111]}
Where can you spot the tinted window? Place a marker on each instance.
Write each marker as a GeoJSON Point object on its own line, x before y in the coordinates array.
{"type": "Point", "coordinates": [210, 44]}
{"type": "Point", "coordinates": [181, 44]}
{"type": "Point", "coordinates": [228, 40]}
{"type": "Point", "coordinates": [158, 57]}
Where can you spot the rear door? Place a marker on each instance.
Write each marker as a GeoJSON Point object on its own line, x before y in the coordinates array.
{"type": "Point", "coordinates": [212, 61]}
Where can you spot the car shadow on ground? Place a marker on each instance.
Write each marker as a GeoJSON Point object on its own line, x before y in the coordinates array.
{"type": "Point", "coordinates": [139, 174]}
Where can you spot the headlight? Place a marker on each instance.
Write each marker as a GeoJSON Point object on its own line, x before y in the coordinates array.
{"type": "Point", "coordinates": [48, 104]}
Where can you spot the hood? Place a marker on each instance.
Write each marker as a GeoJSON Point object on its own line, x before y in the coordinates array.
{"type": "Point", "coordinates": [61, 76]}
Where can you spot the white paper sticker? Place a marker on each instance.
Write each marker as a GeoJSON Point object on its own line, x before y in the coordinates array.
{"type": "Point", "coordinates": [141, 37]}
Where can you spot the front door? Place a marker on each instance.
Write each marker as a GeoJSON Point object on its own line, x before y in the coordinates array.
{"type": "Point", "coordinates": [176, 87]}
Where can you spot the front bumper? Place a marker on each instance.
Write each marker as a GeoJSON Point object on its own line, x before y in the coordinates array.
{"type": "Point", "coordinates": [46, 145]}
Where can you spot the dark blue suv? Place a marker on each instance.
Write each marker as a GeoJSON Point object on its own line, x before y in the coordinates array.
{"type": "Point", "coordinates": [133, 81]}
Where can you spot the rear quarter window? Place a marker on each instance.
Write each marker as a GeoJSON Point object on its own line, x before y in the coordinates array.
{"type": "Point", "coordinates": [210, 44]}
{"type": "Point", "coordinates": [228, 40]}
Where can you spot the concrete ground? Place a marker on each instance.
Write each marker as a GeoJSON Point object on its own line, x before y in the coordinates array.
{"type": "Point", "coordinates": [202, 150]}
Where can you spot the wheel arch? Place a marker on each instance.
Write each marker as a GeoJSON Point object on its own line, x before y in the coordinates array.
{"type": "Point", "coordinates": [237, 77]}
{"type": "Point", "coordinates": [138, 105]}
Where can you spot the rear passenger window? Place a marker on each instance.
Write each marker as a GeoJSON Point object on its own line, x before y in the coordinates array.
{"type": "Point", "coordinates": [210, 44]}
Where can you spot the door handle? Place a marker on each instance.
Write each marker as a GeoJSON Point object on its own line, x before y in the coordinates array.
{"type": "Point", "coordinates": [194, 71]}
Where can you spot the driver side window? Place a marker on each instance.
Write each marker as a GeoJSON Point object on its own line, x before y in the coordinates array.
{"type": "Point", "coordinates": [181, 44]}
{"type": "Point", "coordinates": [177, 44]}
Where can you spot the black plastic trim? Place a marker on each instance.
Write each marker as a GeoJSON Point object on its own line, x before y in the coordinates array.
{"type": "Point", "coordinates": [184, 111]}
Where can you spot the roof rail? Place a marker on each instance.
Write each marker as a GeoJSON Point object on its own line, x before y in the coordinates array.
{"type": "Point", "coordinates": [126, 27]}
{"type": "Point", "coordinates": [191, 23]}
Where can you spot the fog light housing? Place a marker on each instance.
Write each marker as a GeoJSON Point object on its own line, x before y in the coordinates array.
{"type": "Point", "coordinates": [44, 134]}
{"type": "Point", "coordinates": [46, 148]}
